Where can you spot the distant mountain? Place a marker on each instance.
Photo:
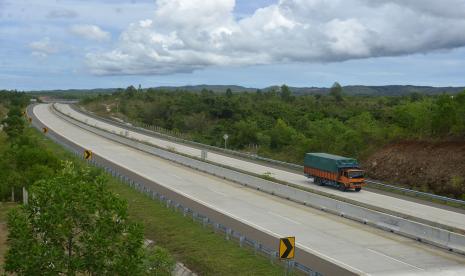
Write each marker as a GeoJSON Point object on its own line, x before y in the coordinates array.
{"type": "Point", "coordinates": [214, 88]}
{"type": "Point", "coordinates": [387, 90]}
{"type": "Point", "coordinates": [399, 90]}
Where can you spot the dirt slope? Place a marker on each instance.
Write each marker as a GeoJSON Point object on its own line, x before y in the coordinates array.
{"type": "Point", "coordinates": [429, 166]}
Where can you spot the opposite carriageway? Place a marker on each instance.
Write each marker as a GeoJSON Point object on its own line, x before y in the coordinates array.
{"type": "Point", "coordinates": [437, 217]}
{"type": "Point", "coordinates": [355, 247]}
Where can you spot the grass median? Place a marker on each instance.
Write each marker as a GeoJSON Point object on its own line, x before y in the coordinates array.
{"type": "Point", "coordinates": [199, 248]}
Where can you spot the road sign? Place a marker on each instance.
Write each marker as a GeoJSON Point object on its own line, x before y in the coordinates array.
{"type": "Point", "coordinates": [44, 130]}
{"type": "Point", "coordinates": [29, 119]}
{"type": "Point", "coordinates": [87, 154]}
{"type": "Point", "coordinates": [287, 248]}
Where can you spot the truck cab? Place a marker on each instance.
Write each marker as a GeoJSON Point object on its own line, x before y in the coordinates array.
{"type": "Point", "coordinates": [352, 178]}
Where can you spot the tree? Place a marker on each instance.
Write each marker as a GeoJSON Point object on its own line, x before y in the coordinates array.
{"type": "Point", "coordinates": [14, 124]}
{"type": "Point", "coordinates": [286, 94]}
{"type": "Point", "coordinates": [73, 225]}
{"type": "Point", "coordinates": [336, 92]}
{"type": "Point", "coordinates": [229, 93]}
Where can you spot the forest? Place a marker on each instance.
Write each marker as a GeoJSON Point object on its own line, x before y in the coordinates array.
{"type": "Point", "coordinates": [280, 125]}
{"type": "Point", "coordinates": [414, 140]}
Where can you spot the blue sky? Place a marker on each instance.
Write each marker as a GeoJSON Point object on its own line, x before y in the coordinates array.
{"type": "Point", "coordinates": [63, 44]}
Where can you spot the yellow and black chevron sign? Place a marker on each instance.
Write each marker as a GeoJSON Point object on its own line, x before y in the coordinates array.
{"type": "Point", "coordinates": [287, 248]}
{"type": "Point", "coordinates": [45, 130]}
{"type": "Point", "coordinates": [87, 154]}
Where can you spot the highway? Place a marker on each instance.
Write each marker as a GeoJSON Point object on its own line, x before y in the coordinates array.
{"type": "Point", "coordinates": [357, 247]}
{"type": "Point", "coordinates": [405, 208]}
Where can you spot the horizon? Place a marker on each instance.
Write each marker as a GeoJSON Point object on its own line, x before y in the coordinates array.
{"type": "Point", "coordinates": [239, 86]}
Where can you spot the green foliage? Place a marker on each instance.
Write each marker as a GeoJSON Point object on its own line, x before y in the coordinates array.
{"type": "Point", "coordinates": [336, 92]}
{"type": "Point", "coordinates": [23, 163]}
{"type": "Point", "coordinates": [14, 124]}
{"type": "Point", "coordinates": [158, 261]}
{"type": "Point", "coordinates": [286, 94]}
{"type": "Point", "coordinates": [285, 127]}
{"type": "Point", "coordinates": [73, 225]}
{"type": "Point", "coordinates": [229, 93]}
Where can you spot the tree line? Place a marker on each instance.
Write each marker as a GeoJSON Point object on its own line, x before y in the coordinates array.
{"type": "Point", "coordinates": [284, 126]}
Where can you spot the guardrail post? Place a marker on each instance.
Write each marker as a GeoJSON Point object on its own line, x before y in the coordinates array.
{"type": "Point", "coordinates": [273, 256]}
{"type": "Point", "coordinates": [241, 241]}
{"type": "Point", "coordinates": [256, 247]}
{"type": "Point", "coordinates": [194, 216]}
{"type": "Point", "coordinates": [228, 233]}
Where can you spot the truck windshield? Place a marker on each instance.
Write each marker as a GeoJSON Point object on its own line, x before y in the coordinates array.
{"type": "Point", "coordinates": [356, 174]}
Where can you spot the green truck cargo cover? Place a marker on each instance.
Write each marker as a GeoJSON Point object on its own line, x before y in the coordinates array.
{"type": "Point", "coordinates": [328, 162]}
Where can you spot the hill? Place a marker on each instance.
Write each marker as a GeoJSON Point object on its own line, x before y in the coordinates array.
{"type": "Point", "coordinates": [352, 90]}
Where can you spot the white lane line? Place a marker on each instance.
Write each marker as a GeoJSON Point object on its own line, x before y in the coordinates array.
{"type": "Point", "coordinates": [176, 176]}
{"type": "Point", "coordinates": [283, 217]}
{"type": "Point", "coordinates": [135, 171]}
{"type": "Point", "coordinates": [394, 259]}
{"type": "Point", "coordinates": [220, 193]}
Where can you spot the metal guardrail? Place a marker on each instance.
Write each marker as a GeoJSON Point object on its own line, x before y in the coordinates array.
{"type": "Point", "coordinates": [230, 234]}
{"type": "Point", "coordinates": [372, 183]}
{"type": "Point", "coordinates": [151, 130]}
{"type": "Point", "coordinates": [419, 229]}
{"type": "Point", "coordinates": [415, 193]}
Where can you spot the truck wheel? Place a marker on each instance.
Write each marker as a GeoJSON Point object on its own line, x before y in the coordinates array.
{"type": "Point", "coordinates": [358, 189]}
{"type": "Point", "coordinates": [319, 181]}
{"type": "Point", "coordinates": [342, 187]}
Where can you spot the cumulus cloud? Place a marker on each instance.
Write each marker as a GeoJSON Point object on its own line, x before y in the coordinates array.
{"type": "Point", "coordinates": [186, 35]}
{"type": "Point", "coordinates": [90, 32]}
{"type": "Point", "coordinates": [43, 48]}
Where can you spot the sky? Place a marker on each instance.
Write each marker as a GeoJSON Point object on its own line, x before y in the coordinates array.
{"type": "Point", "coordinates": [71, 44]}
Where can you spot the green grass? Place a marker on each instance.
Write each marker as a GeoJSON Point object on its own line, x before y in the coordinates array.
{"type": "Point", "coordinates": [5, 207]}
{"type": "Point", "coordinates": [197, 247]}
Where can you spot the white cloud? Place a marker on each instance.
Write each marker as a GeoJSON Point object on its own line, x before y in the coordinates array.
{"type": "Point", "coordinates": [43, 48]}
{"type": "Point", "coordinates": [90, 32]}
{"type": "Point", "coordinates": [186, 35]}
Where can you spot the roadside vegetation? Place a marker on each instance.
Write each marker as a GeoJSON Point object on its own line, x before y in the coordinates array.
{"type": "Point", "coordinates": [79, 220]}
{"type": "Point", "coordinates": [282, 126]}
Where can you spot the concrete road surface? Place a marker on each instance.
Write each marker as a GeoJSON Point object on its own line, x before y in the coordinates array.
{"type": "Point", "coordinates": [364, 249]}
{"type": "Point", "coordinates": [401, 206]}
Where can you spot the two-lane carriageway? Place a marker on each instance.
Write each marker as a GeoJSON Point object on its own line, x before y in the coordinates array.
{"type": "Point", "coordinates": [400, 207]}
{"type": "Point", "coordinates": [360, 248]}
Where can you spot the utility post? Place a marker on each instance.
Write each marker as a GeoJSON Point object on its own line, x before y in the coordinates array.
{"type": "Point", "coordinates": [225, 137]}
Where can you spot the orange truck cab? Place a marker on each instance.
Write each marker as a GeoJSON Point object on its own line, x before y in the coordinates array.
{"type": "Point", "coordinates": [333, 170]}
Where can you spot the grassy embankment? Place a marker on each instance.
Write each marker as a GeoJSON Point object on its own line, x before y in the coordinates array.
{"type": "Point", "coordinates": [198, 248]}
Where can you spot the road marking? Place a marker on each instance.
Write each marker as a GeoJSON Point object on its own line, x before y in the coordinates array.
{"type": "Point", "coordinates": [177, 176]}
{"type": "Point", "coordinates": [136, 172]}
{"type": "Point", "coordinates": [394, 259]}
{"type": "Point", "coordinates": [283, 217]}
{"type": "Point", "coordinates": [220, 193]}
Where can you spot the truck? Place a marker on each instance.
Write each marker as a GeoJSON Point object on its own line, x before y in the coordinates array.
{"type": "Point", "coordinates": [333, 170]}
